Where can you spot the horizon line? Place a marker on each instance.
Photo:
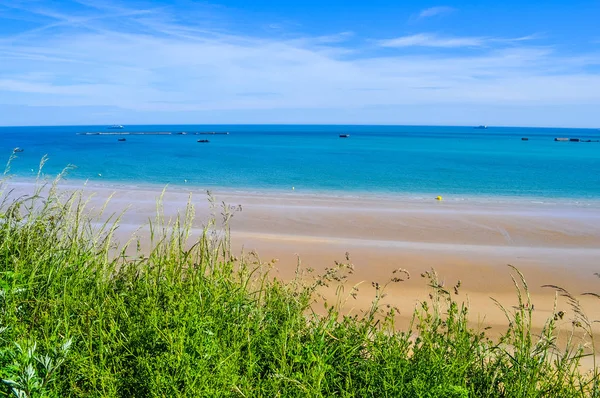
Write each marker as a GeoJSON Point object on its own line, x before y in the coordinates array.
{"type": "Point", "coordinates": [305, 124]}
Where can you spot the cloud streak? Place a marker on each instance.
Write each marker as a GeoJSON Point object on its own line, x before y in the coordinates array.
{"type": "Point", "coordinates": [433, 40]}
{"type": "Point", "coordinates": [434, 11]}
{"type": "Point", "coordinates": [430, 40]}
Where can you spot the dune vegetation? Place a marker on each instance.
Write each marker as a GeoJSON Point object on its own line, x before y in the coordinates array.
{"type": "Point", "coordinates": [81, 315]}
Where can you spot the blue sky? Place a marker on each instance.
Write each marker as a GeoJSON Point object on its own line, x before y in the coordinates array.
{"type": "Point", "coordinates": [366, 62]}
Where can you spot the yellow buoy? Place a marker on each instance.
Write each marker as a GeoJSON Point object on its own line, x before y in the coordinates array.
{"type": "Point", "coordinates": [439, 198]}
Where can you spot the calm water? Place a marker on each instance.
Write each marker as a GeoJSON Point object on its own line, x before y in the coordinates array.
{"type": "Point", "coordinates": [459, 161]}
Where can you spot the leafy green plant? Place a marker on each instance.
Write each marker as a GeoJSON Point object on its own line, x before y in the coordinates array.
{"type": "Point", "coordinates": [30, 374]}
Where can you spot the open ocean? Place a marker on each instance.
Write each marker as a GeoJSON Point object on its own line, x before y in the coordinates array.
{"type": "Point", "coordinates": [380, 160]}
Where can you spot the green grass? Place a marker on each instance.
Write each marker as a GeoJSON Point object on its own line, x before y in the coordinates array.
{"type": "Point", "coordinates": [81, 318]}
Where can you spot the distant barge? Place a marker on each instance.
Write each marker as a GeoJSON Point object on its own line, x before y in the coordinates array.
{"type": "Point", "coordinates": [566, 139]}
{"type": "Point", "coordinates": [150, 133]}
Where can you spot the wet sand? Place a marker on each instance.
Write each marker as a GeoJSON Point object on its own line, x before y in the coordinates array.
{"type": "Point", "coordinates": [471, 241]}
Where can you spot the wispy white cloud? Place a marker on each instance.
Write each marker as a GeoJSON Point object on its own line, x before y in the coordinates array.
{"type": "Point", "coordinates": [434, 11]}
{"type": "Point", "coordinates": [336, 38]}
{"type": "Point", "coordinates": [156, 62]}
{"type": "Point", "coordinates": [431, 40]}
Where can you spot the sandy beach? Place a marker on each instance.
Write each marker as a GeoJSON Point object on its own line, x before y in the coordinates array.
{"type": "Point", "coordinates": [471, 241]}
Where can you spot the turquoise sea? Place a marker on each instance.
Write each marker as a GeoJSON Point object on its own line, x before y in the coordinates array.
{"type": "Point", "coordinates": [396, 160]}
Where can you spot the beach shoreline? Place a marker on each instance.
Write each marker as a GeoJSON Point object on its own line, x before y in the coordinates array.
{"type": "Point", "coordinates": [371, 197]}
